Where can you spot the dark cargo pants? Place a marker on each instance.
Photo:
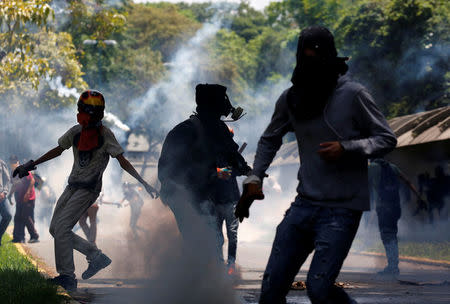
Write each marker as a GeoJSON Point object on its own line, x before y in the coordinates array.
{"type": "Point", "coordinates": [306, 227]}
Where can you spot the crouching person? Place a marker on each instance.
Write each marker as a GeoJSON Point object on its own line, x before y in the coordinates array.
{"type": "Point", "coordinates": [92, 145]}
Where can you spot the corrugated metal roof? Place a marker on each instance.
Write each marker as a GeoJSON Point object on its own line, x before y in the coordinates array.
{"type": "Point", "coordinates": [422, 127]}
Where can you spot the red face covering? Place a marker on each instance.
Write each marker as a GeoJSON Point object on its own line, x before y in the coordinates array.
{"type": "Point", "coordinates": [89, 136]}
{"type": "Point", "coordinates": [83, 118]}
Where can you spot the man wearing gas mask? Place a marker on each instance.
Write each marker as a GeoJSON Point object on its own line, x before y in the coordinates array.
{"type": "Point", "coordinates": [338, 127]}
{"type": "Point", "coordinates": [187, 167]}
{"type": "Point", "coordinates": [92, 144]}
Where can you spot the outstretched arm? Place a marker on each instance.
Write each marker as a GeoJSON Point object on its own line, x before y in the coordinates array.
{"type": "Point", "coordinates": [268, 145]}
{"type": "Point", "coordinates": [53, 153]}
{"type": "Point", "coordinates": [23, 170]}
{"type": "Point", "coordinates": [272, 138]}
{"type": "Point", "coordinates": [125, 164]}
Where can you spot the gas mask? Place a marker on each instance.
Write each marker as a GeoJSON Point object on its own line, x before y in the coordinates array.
{"type": "Point", "coordinates": [236, 113]}
{"type": "Point", "coordinates": [212, 100]}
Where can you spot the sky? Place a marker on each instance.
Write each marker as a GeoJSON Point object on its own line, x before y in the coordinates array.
{"type": "Point", "coordinates": [258, 4]}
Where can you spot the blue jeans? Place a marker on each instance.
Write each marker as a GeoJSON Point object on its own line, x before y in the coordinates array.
{"type": "Point", "coordinates": [6, 217]}
{"type": "Point", "coordinates": [389, 213]}
{"type": "Point", "coordinates": [225, 212]}
{"type": "Point", "coordinates": [305, 227]}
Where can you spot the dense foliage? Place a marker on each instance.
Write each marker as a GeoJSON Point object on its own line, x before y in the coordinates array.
{"type": "Point", "coordinates": [398, 48]}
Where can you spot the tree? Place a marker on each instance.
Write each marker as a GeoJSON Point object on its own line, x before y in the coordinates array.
{"type": "Point", "coordinates": [302, 13]}
{"type": "Point", "coordinates": [34, 53]}
{"type": "Point", "coordinates": [395, 53]}
{"type": "Point", "coordinates": [19, 67]}
{"type": "Point", "coordinates": [160, 28]}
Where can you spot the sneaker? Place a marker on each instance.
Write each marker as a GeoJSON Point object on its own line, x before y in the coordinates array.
{"type": "Point", "coordinates": [34, 240]}
{"type": "Point", "coordinates": [389, 271]}
{"type": "Point", "coordinates": [65, 281]}
{"type": "Point", "coordinates": [231, 269]}
{"type": "Point", "coordinates": [18, 241]}
{"type": "Point", "coordinates": [97, 264]}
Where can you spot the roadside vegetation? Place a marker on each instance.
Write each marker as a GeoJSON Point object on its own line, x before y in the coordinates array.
{"type": "Point", "coordinates": [20, 281]}
{"type": "Point", "coordinates": [430, 250]}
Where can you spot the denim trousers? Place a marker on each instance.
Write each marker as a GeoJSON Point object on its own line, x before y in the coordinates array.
{"type": "Point", "coordinates": [329, 231]}
{"type": "Point", "coordinates": [388, 217]}
{"type": "Point", "coordinates": [225, 213]}
{"type": "Point", "coordinates": [5, 217]}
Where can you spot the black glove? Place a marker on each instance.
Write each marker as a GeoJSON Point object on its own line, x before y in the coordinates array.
{"type": "Point", "coordinates": [24, 169]}
{"type": "Point", "coordinates": [252, 191]}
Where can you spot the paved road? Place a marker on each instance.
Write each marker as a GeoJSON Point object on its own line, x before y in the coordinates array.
{"type": "Point", "coordinates": [124, 279]}
{"type": "Point", "coordinates": [147, 267]}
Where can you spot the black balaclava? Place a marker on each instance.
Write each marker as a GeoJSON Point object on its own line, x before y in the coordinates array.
{"type": "Point", "coordinates": [314, 77]}
{"type": "Point", "coordinates": [212, 101]}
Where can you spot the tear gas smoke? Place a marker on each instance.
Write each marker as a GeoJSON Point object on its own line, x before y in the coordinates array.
{"type": "Point", "coordinates": [156, 252]}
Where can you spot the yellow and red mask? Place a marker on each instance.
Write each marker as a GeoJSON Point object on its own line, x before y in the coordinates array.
{"type": "Point", "coordinates": [91, 106]}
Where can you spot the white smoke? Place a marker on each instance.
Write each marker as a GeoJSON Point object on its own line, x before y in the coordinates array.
{"type": "Point", "coordinates": [56, 84]}
{"type": "Point", "coordinates": [173, 97]}
{"type": "Point", "coordinates": [113, 119]}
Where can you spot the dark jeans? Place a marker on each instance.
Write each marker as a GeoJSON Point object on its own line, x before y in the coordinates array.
{"type": "Point", "coordinates": [387, 223]}
{"type": "Point", "coordinates": [24, 217]}
{"type": "Point", "coordinates": [6, 217]}
{"type": "Point", "coordinates": [305, 227]}
{"type": "Point", "coordinates": [225, 213]}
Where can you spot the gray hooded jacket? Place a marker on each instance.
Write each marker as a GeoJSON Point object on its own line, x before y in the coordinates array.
{"type": "Point", "coordinates": [350, 117]}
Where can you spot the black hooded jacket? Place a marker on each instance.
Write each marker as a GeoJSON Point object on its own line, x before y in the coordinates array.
{"type": "Point", "coordinates": [190, 154]}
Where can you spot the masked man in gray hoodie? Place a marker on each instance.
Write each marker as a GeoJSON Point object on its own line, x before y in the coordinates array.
{"type": "Point", "coordinates": [338, 127]}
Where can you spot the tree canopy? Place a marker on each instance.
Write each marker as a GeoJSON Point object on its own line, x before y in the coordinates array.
{"type": "Point", "coordinates": [398, 48]}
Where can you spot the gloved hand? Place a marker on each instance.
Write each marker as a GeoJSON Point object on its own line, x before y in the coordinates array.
{"type": "Point", "coordinates": [252, 191]}
{"type": "Point", "coordinates": [152, 191]}
{"type": "Point", "coordinates": [23, 170]}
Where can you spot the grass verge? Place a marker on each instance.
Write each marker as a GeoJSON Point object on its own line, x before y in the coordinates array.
{"type": "Point", "coordinates": [21, 282]}
{"type": "Point", "coordinates": [430, 250]}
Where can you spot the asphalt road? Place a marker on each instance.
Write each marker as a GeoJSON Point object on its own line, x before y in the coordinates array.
{"type": "Point", "coordinates": [128, 276]}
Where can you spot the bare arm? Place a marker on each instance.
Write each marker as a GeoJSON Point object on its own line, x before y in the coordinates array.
{"type": "Point", "coordinates": [53, 153]}
{"type": "Point", "coordinates": [125, 164]}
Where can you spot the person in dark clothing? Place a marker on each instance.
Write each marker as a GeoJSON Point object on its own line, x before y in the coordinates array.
{"type": "Point", "coordinates": [385, 181]}
{"type": "Point", "coordinates": [225, 199]}
{"type": "Point", "coordinates": [25, 197]}
{"type": "Point", "coordinates": [5, 184]}
{"type": "Point", "coordinates": [136, 202]}
{"type": "Point", "coordinates": [438, 190]}
{"type": "Point", "coordinates": [187, 168]}
{"type": "Point", "coordinates": [338, 127]}
{"type": "Point", "coordinates": [384, 184]}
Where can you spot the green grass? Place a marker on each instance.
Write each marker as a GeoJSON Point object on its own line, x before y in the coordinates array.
{"type": "Point", "coordinates": [431, 250]}
{"type": "Point", "coordinates": [20, 281]}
